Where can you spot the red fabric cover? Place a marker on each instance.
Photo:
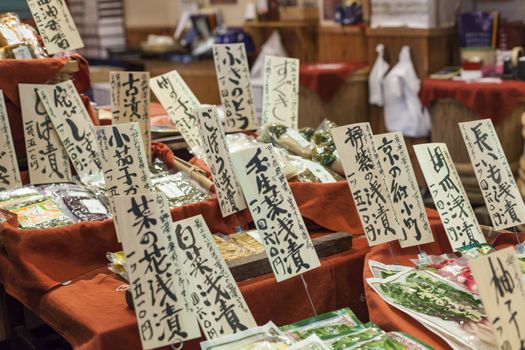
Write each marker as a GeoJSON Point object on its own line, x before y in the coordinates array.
{"type": "Point", "coordinates": [388, 317]}
{"type": "Point", "coordinates": [326, 79]}
{"type": "Point", "coordinates": [36, 71]}
{"type": "Point", "coordinates": [494, 101]}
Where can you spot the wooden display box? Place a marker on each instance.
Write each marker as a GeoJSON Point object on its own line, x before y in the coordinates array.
{"type": "Point", "coordinates": [342, 44]}
{"type": "Point", "coordinates": [431, 49]}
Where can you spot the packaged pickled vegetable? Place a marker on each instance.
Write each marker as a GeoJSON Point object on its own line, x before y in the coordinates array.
{"type": "Point", "coordinates": [180, 189]}
{"type": "Point", "coordinates": [79, 201]}
{"type": "Point", "coordinates": [40, 213]}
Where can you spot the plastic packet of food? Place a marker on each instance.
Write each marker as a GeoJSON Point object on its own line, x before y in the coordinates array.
{"type": "Point", "coordinates": [391, 341]}
{"type": "Point", "coordinates": [326, 326]}
{"type": "Point", "coordinates": [288, 138]}
{"type": "Point", "coordinates": [239, 141]}
{"type": "Point", "coordinates": [313, 342]}
{"type": "Point", "coordinates": [359, 335]}
{"type": "Point", "coordinates": [78, 201]}
{"type": "Point", "coordinates": [40, 213]}
{"type": "Point", "coordinates": [180, 189]}
{"type": "Point", "coordinates": [228, 248]}
{"type": "Point", "coordinates": [246, 241]}
{"type": "Point", "coordinates": [117, 264]}
{"type": "Point", "coordinates": [267, 337]}
{"type": "Point", "coordinates": [11, 198]}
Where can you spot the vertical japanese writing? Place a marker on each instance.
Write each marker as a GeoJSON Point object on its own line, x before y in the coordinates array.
{"type": "Point", "coordinates": [233, 76]}
{"type": "Point", "coordinates": [163, 314]}
{"type": "Point", "coordinates": [73, 125]}
{"type": "Point", "coordinates": [47, 159]}
{"type": "Point", "coordinates": [366, 180]}
{"type": "Point", "coordinates": [180, 103]}
{"type": "Point", "coordinates": [214, 295]}
{"type": "Point", "coordinates": [130, 98]}
{"type": "Point", "coordinates": [229, 192]}
{"type": "Point", "coordinates": [449, 195]}
{"type": "Point", "coordinates": [403, 189]}
{"type": "Point", "coordinates": [56, 25]}
{"type": "Point", "coordinates": [9, 172]}
{"type": "Point", "coordinates": [281, 91]}
{"type": "Point", "coordinates": [502, 196]}
{"type": "Point", "coordinates": [499, 282]}
{"type": "Point", "coordinates": [275, 212]}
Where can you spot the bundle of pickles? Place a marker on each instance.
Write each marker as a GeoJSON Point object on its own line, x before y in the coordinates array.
{"type": "Point", "coordinates": [336, 330]}
{"type": "Point", "coordinates": [18, 40]}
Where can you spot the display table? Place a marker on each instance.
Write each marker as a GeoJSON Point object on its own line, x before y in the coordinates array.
{"type": "Point", "coordinates": [451, 102]}
{"type": "Point", "coordinates": [389, 318]}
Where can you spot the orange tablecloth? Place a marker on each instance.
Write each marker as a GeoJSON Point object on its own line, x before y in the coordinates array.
{"type": "Point", "coordinates": [494, 101]}
{"type": "Point", "coordinates": [326, 79]}
{"type": "Point", "coordinates": [36, 71]}
{"type": "Point", "coordinates": [389, 318]}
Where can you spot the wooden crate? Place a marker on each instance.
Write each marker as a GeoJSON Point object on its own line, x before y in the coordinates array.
{"type": "Point", "coordinates": [342, 44]}
{"type": "Point", "coordinates": [349, 105]}
{"type": "Point", "coordinates": [431, 49]}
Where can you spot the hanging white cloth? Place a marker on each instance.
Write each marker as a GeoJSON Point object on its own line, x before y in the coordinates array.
{"type": "Point", "coordinates": [375, 79]}
{"type": "Point", "coordinates": [403, 110]}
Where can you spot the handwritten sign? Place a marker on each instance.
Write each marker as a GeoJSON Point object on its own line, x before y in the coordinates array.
{"type": "Point", "coordinates": [47, 158]}
{"type": "Point", "coordinates": [9, 172]}
{"type": "Point", "coordinates": [56, 25]}
{"type": "Point", "coordinates": [124, 160]}
{"type": "Point", "coordinates": [366, 180]}
{"type": "Point", "coordinates": [233, 76]}
{"type": "Point", "coordinates": [229, 192]}
{"type": "Point", "coordinates": [157, 282]}
{"type": "Point", "coordinates": [180, 103]}
{"type": "Point", "coordinates": [449, 195]}
{"type": "Point", "coordinates": [500, 285]}
{"type": "Point", "coordinates": [73, 125]}
{"type": "Point", "coordinates": [281, 91]}
{"type": "Point", "coordinates": [216, 299]}
{"type": "Point", "coordinates": [403, 189]}
{"type": "Point", "coordinates": [275, 212]}
{"type": "Point", "coordinates": [502, 196]}
{"type": "Point", "coordinates": [130, 99]}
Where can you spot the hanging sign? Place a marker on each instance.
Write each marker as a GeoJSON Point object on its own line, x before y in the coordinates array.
{"type": "Point", "coordinates": [365, 177]}
{"type": "Point", "coordinates": [233, 76]}
{"type": "Point", "coordinates": [502, 196]}
{"type": "Point", "coordinates": [9, 172]}
{"type": "Point", "coordinates": [214, 294]}
{"type": "Point", "coordinates": [403, 189]}
{"type": "Point", "coordinates": [55, 24]}
{"type": "Point", "coordinates": [449, 195]}
{"type": "Point", "coordinates": [275, 213]}
{"type": "Point", "coordinates": [228, 189]}
{"type": "Point", "coordinates": [500, 285]}
{"type": "Point", "coordinates": [281, 91]}
{"type": "Point", "coordinates": [47, 159]}
{"type": "Point", "coordinates": [130, 98]}
{"type": "Point", "coordinates": [73, 125]}
{"type": "Point", "coordinates": [157, 281]}
{"type": "Point", "coordinates": [180, 103]}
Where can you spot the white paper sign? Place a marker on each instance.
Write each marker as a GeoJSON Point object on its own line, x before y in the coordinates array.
{"type": "Point", "coordinates": [233, 76]}
{"type": "Point", "coordinates": [124, 161]}
{"type": "Point", "coordinates": [73, 125]}
{"type": "Point", "coordinates": [403, 189]}
{"type": "Point", "coordinates": [229, 192]}
{"type": "Point", "coordinates": [281, 91]}
{"type": "Point", "coordinates": [153, 263]}
{"type": "Point", "coordinates": [216, 299]}
{"type": "Point", "coordinates": [365, 177]}
{"type": "Point", "coordinates": [180, 103]}
{"type": "Point", "coordinates": [47, 159]}
{"type": "Point", "coordinates": [500, 285]}
{"type": "Point", "coordinates": [275, 213]}
{"type": "Point", "coordinates": [502, 196]}
{"type": "Point", "coordinates": [449, 195]}
{"type": "Point", "coordinates": [56, 25]}
{"type": "Point", "coordinates": [9, 172]}
{"type": "Point", "coordinates": [130, 98]}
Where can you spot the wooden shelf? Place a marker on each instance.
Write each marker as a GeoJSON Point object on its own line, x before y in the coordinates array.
{"type": "Point", "coordinates": [339, 29]}
{"type": "Point", "coordinates": [280, 24]}
{"type": "Point", "coordinates": [410, 32]}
